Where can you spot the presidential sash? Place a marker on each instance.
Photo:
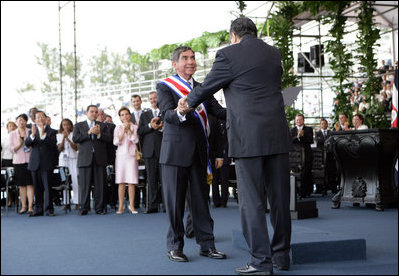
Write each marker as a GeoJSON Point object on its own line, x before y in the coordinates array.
{"type": "Point", "coordinates": [182, 89]}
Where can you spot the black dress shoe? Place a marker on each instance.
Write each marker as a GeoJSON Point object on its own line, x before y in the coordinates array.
{"type": "Point", "coordinates": [83, 212]}
{"type": "Point", "coordinates": [250, 270]}
{"type": "Point", "coordinates": [150, 211]}
{"type": "Point", "coordinates": [282, 262]}
{"type": "Point", "coordinates": [36, 214]}
{"type": "Point", "coordinates": [101, 212]}
{"type": "Point", "coordinates": [177, 256]}
{"type": "Point", "coordinates": [50, 214]}
{"type": "Point", "coordinates": [213, 253]}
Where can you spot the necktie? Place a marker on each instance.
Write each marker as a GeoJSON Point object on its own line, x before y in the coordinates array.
{"type": "Point", "coordinates": [92, 135]}
{"type": "Point", "coordinates": [155, 113]}
{"type": "Point", "coordinates": [136, 115]}
{"type": "Point", "coordinates": [324, 133]}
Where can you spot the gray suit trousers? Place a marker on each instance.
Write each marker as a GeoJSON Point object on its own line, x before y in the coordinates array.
{"type": "Point", "coordinates": [258, 177]}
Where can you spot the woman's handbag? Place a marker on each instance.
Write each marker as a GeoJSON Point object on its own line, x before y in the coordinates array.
{"type": "Point", "coordinates": [138, 153]}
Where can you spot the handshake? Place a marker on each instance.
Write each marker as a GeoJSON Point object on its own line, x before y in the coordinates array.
{"type": "Point", "coordinates": [182, 106]}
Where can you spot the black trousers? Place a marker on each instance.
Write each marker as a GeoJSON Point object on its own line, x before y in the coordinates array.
{"type": "Point", "coordinates": [42, 185]}
{"type": "Point", "coordinates": [220, 177]}
{"type": "Point", "coordinates": [175, 182]}
{"type": "Point", "coordinates": [87, 175]}
{"type": "Point", "coordinates": [256, 177]}
{"type": "Point", "coordinates": [153, 182]}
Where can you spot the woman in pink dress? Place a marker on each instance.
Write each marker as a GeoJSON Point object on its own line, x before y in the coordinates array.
{"type": "Point", "coordinates": [20, 161]}
{"type": "Point", "coordinates": [126, 166]}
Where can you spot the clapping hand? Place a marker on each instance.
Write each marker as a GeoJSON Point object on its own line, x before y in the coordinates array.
{"type": "Point", "coordinates": [95, 129]}
{"type": "Point", "coordinates": [65, 133]}
{"type": "Point", "coordinates": [154, 123]}
{"type": "Point", "coordinates": [34, 130]}
{"type": "Point", "coordinates": [127, 128]}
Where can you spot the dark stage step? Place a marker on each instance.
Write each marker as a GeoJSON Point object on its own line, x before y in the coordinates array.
{"type": "Point", "coordinates": [310, 245]}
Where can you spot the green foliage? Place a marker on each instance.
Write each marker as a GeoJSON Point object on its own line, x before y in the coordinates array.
{"type": "Point", "coordinates": [367, 41]}
{"type": "Point", "coordinates": [27, 87]}
{"type": "Point", "coordinates": [282, 28]}
{"type": "Point", "coordinates": [341, 60]}
{"type": "Point", "coordinates": [100, 66]}
{"type": "Point", "coordinates": [163, 53]}
{"type": "Point", "coordinates": [241, 6]}
{"type": "Point", "coordinates": [314, 7]}
{"type": "Point", "coordinates": [50, 60]}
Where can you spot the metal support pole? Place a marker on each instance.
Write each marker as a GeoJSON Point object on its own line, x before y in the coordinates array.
{"type": "Point", "coordinates": [76, 69]}
{"type": "Point", "coordinates": [321, 74]}
{"type": "Point", "coordinates": [59, 38]}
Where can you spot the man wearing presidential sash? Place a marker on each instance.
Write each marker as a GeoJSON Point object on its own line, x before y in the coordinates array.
{"type": "Point", "coordinates": [184, 157]}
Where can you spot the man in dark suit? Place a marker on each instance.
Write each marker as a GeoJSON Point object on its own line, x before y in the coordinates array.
{"type": "Point", "coordinates": [184, 158]}
{"type": "Point", "coordinates": [216, 161]}
{"type": "Point", "coordinates": [323, 134]}
{"type": "Point", "coordinates": [92, 137]}
{"type": "Point", "coordinates": [331, 169]}
{"type": "Point", "coordinates": [110, 189]}
{"type": "Point", "coordinates": [43, 141]}
{"type": "Point", "coordinates": [303, 136]}
{"type": "Point", "coordinates": [150, 132]}
{"type": "Point", "coordinates": [140, 195]}
{"type": "Point", "coordinates": [249, 72]}
{"type": "Point", "coordinates": [222, 165]}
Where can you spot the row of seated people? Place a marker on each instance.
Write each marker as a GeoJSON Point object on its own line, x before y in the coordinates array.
{"type": "Point", "coordinates": [317, 159]}
{"type": "Point", "coordinates": [86, 149]}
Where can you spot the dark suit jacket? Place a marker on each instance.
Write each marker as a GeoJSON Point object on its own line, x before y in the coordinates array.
{"type": "Point", "coordinates": [182, 139]}
{"type": "Point", "coordinates": [133, 118]}
{"type": "Point", "coordinates": [150, 138]}
{"type": "Point", "coordinates": [250, 75]}
{"type": "Point", "coordinates": [86, 145]}
{"type": "Point", "coordinates": [215, 139]}
{"type": "Point", "coordinates": [111, 148]}
{"type": "Point", "coordinates": [42, 155]}
{"type": "Point", "coordinates": [320, 138]}
{"type": "Point", "coordinates": [306, 140]}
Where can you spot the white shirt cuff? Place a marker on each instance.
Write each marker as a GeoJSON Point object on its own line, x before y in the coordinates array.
{"type": "Point", "coordinates": [182, 118]}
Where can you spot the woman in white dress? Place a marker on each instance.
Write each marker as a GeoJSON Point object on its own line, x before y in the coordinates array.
{"type": "Point", "coordinates": [69, 158]}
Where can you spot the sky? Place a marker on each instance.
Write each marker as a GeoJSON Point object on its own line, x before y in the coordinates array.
{"type": "Point", "coordinates": [143, 26]}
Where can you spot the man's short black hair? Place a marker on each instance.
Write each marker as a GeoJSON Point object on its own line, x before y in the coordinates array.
{"type": "Point", "coordinates": [92, 105]}
{"type": "Point", "coordinates": [243, 26]}
{"type": "Point", "coordinates": [135, 96]}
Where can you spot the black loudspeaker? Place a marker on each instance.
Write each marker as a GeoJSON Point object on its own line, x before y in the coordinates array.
{"type": "Point", "coordinates": [317, 52]}
{"type": "Point", "coordinates": [303, 65]}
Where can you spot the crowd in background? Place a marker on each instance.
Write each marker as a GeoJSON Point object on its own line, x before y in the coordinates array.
{"type": "Point", "coordinates": [101, 159]}
{"type": "Point", "coordinates": [97, 152]}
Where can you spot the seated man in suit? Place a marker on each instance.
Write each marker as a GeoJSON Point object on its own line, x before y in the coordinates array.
{"type": "Point", "coordinates": [92, 138]}
{"type": "Point", "coordinates": [43, 141]}
{"type": "Point", "coordinates": [184, 157]}
{"type": "Point", "coordinates": [303, 136]}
